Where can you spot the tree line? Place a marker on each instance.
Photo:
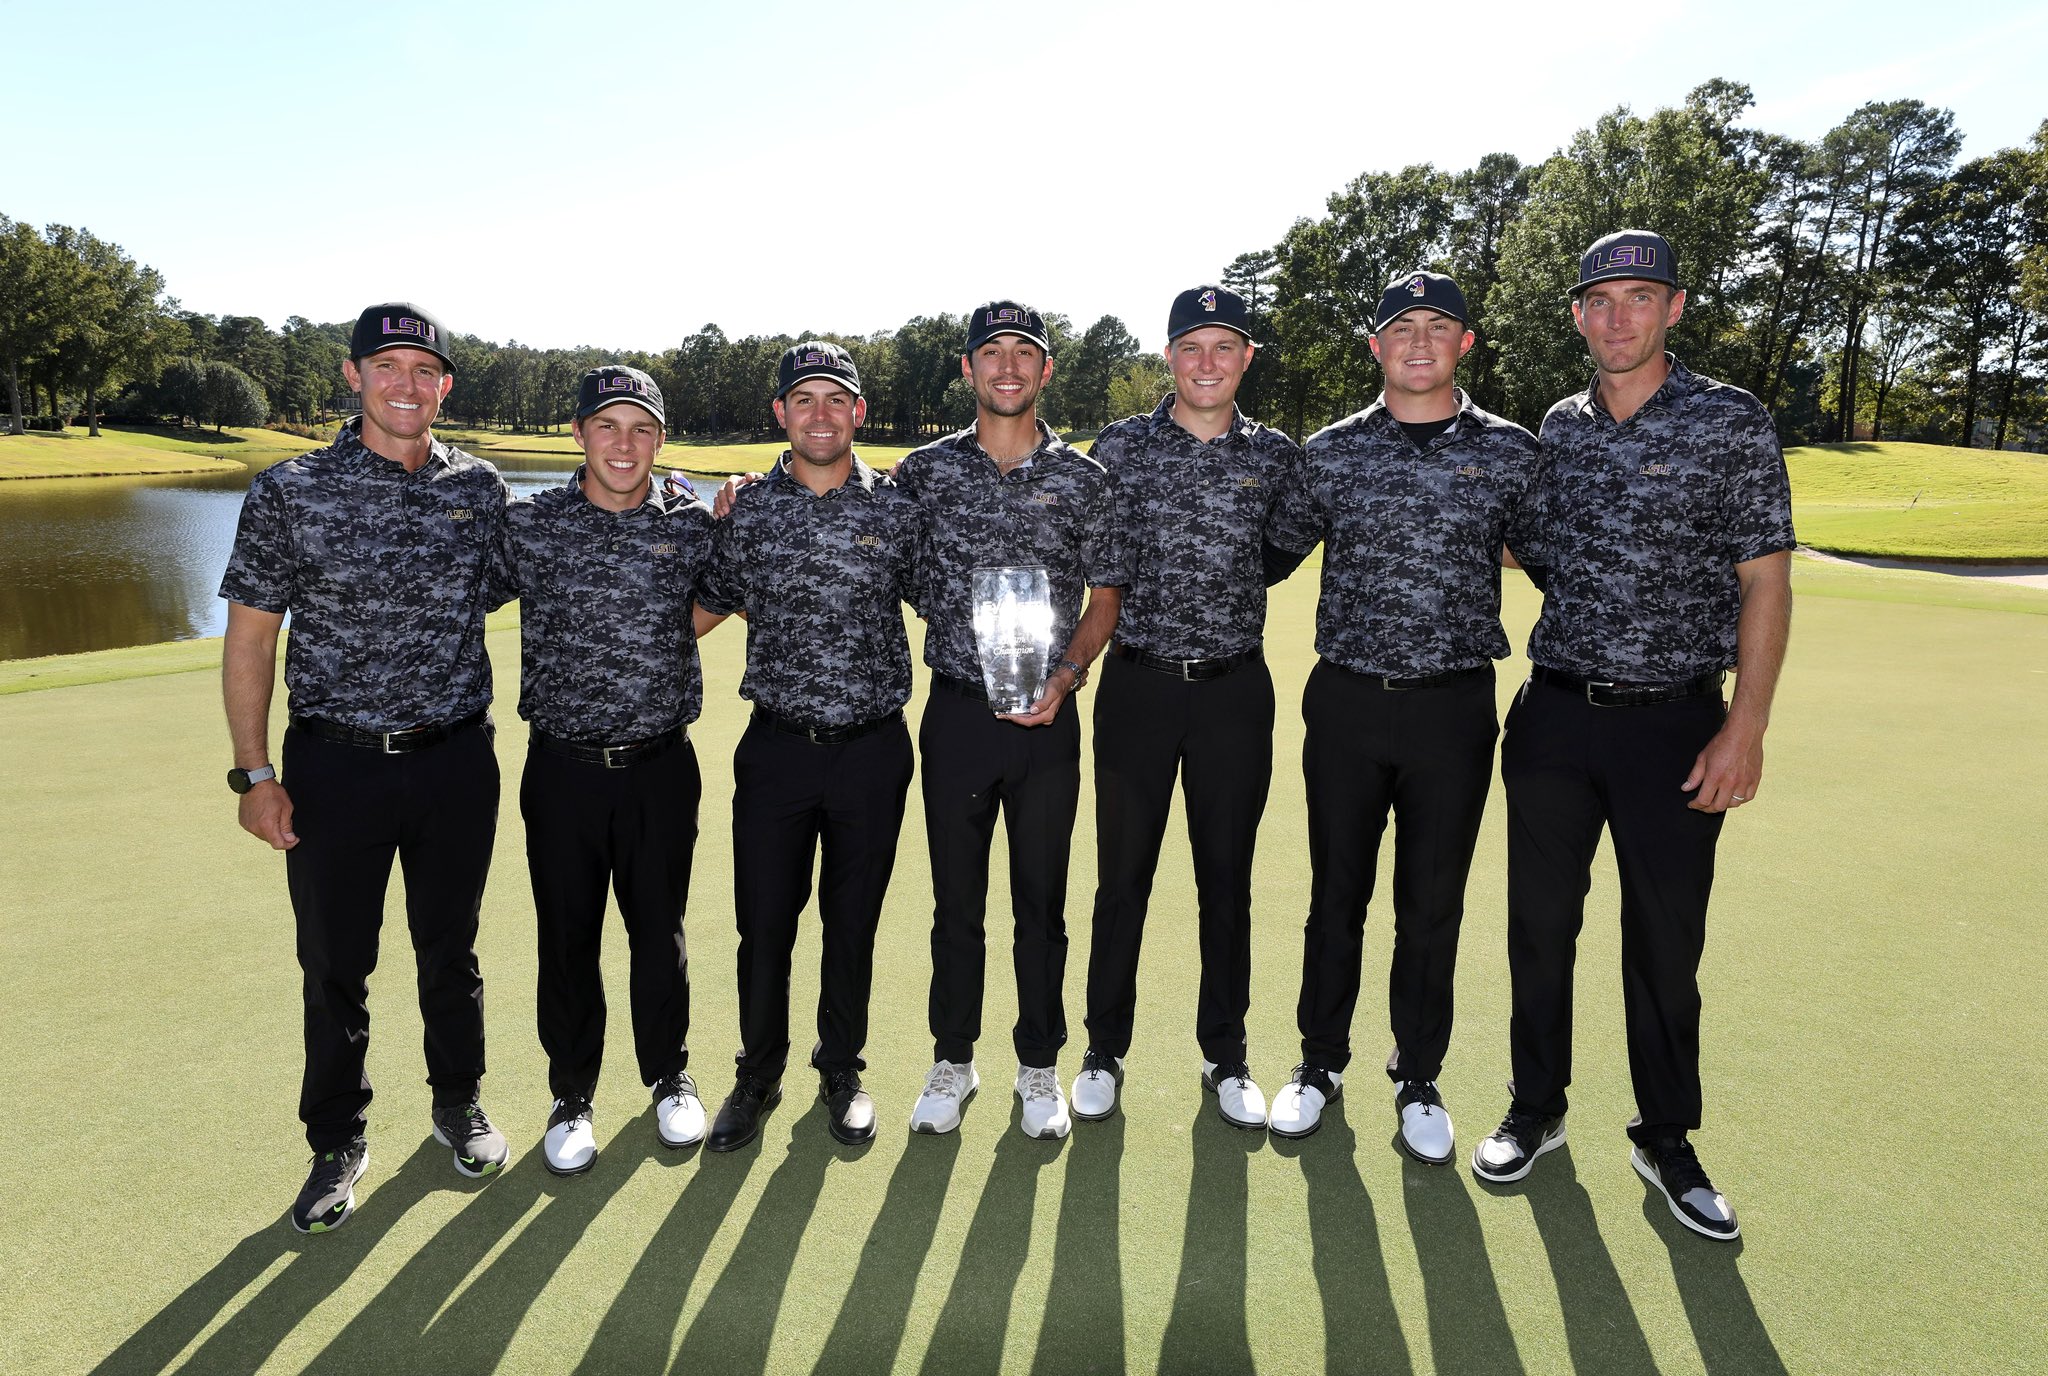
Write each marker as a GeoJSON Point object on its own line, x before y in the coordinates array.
{"type": "Point", "coordinates": [1864, 284]}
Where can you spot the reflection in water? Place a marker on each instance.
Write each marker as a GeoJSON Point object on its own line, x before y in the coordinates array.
{"type": "Point", "coordinates": [93, 563]}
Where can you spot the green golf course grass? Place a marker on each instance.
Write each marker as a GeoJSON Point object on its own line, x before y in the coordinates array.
{"type": "Point", "coordinates": [1875, 1046]}
{"type": "Point", "coordinates": [75, 454]}
{"type": "Point", "coordinates": [1920, 501]}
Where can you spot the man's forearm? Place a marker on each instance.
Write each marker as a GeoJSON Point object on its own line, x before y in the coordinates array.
{"type": "Point", "coordinates": [248, 672]}
{"type": "Point", "coordinates": [1762, 631]}
{"type": "Point", "coordinates": [1098, 622]}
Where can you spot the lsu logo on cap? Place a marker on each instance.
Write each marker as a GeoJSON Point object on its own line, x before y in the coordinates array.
{"type": "Point", "coordinates": [814, 359]}
{"type": "Point", "coordinates": [1625, 256]}
{"type": "Point", "coordinates": [1003, 315]}
{"type": "Point", "coordinates": [1416, 286]}
{"type": "Point", "coordinates": [624, 382]}
{"type": "Point", "coordinates": [406, 325]}
{"type": "Point", "coordinates": [1208, 300]}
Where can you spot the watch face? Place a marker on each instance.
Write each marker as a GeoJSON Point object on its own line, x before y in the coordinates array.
{"type": "Point", "coordinates": [238, 780]}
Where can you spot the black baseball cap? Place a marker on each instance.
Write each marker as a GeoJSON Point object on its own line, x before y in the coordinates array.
{"type": "Point", "coordinates": [1417, 291]}
{"type": "Point", "coordinates": [398, 325]}
{"type": "Point", "coordinates": [993, 318]}
{"type": "Point", "coordinates": [816, 358]}
{"type": "Point", "coordinates": [1635, 254]}
{"type": "Point", "coordinates": [1208, 305]}
{"type": "Point", "coordinates": [615, 382]}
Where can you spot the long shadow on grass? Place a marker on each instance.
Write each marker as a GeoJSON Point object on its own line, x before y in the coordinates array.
{"type": "Point", "coordinates": [1083, 1326]}
{"type": "Point", "coordinates": [1468, 1325]}
{"type": "Point", "coordinates": [869, 1330]}
{"type": "Point", "coordinates": [732, 1332]}
{"type": "Point", "coordinates": [1206, 1330]}
{"type": "Point", "coordinates": [639, 1328]}
{"type": "Point", "coordinates": [976, 1316]}
{"type": "Point", "coordinates": [1361, 1331]}
{"type": "Point", "coordinates": [1731, 1335]}
{"type": "Point", "coordinates": [1600, 1325]}
{"type": "Point", "coordinates": [320, 1265]}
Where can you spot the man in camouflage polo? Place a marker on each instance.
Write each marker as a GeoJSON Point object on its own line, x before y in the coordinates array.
{"type": "Point", "coordinates": [819, 557]}
{"type": "Point", "coordinates": [605, 568]}
{"type": "Point", "coordinates": [380, 547]}
{"type": "Point", "coordinates": [1412, 499]}
{"type": "Point", "coordinates": [1186, 692]}
{"type": "Point", "coordinates": [1005, 492]}
{"type": "Point", "coordinates": [1663, 516]}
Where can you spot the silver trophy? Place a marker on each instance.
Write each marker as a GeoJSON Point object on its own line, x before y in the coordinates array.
{"type": "Point", "coordinates": [1013, 631]}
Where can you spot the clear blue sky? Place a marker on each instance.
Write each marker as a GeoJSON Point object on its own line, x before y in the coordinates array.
{"type": "Point", "coordinates": [620, 175]}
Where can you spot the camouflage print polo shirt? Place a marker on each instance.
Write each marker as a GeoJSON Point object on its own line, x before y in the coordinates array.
{"type": "Point", "coordinates": [822, 579]}
{"type": "Point", "coordinates": [1411, 535]}
{"type": "Point", "coordinates": [606, 648]}
{"type": "Point", "coordinates": [384, 573]}
{"type": "Point", "coordinates": [1192, 517]}
{"type": "Point", "coordinates": [1053, 510]}
{"type": "Point", "coordinates": [1642, 522]}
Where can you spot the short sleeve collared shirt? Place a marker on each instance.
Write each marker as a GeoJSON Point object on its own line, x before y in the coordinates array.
{"type": "Point", "coordinates": [1641, 524]}
{"type": "Point", "coordinates": [384, 573]}
{"type": "Point", "coordinates": [822, 578]}
{"type": "Point", "coordinates": [607, 650]}
{"type": "Point", "coordinates": [1412, 535]}
{"type": "Point", "coordinates": [1192, 516]}
{"type": "Point", "coordinates": [1053, 511]}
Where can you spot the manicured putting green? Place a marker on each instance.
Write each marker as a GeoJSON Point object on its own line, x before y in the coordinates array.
{"type": "Point", "coordinates": [1875, 1038]}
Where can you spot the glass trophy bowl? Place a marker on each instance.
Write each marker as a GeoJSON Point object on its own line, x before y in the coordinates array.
{"type": "Point", "coordinates": [1013, 631]}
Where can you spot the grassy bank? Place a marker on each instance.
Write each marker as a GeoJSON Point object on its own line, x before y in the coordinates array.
{"type": "Point", "coordinates": [127, 453]}
{"type": "Point", "coordinates": [1882, 898]}
{"type": "Point", "coordinates": [1920, 501]}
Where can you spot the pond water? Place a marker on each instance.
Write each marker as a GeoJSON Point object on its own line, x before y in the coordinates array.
{"type": "Point", "coordinates": [94, 563]}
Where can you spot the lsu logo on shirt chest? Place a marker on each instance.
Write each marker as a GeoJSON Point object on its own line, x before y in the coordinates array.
{"type": "Point", "coordinates": [1657, 470]}
{"type": "Point", "coordinates": [1043, 498]}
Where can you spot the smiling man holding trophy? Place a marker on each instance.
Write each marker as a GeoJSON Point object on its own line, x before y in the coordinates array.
{"type": "Point", "coordinates": [1019, 530]}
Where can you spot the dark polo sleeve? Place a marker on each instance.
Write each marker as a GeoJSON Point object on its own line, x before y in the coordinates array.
{"type": "Point", "coordinates": [1756, 509]}
{"type": "Point", "coordinates": [260, 567]}
{"type": "Point", "coordinates": [722, 589]}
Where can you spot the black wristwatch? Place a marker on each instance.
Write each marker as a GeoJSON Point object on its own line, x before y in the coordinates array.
{"type": "Point", "coordinates": [242, 780]}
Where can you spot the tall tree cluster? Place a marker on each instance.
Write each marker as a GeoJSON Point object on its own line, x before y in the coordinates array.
{"type": "Point", "coordinates": [1863, 284]}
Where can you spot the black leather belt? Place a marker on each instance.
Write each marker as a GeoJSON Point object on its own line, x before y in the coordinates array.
{"type": "Point", "coordinates": [1407, 685]}
{"type": "Point", "coordinates": [960, 687]}
{"type": "Point", "coordinates": [1187, 670]}
{"type": "Point", "coordinates": [389, 742]}
{"type": "Point", "coordinates": [824, 735]}
{"type": "Point", "coordinates": [1602, 694]}
{"type": "Point", "coordinates": [618, 756]}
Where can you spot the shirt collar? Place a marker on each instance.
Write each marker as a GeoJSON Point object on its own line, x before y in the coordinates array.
{"type": "Point", "coordinates": [350, 443]}
{"type": "Point", "coordinates": [578, 497]}
{"type": "Point", "coordinates": [1046, 439]}
{"type": "Point", "coordinates": [861, 476]}
{"type": "Point", "coordinates": [1162, 416]}
{"type": "Point", "coordinates": [1679, 383]}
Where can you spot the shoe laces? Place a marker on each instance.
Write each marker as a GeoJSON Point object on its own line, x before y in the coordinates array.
{"type": "Point", "coordinates": [330, 1166]}
{"type": "Point", "coordinates": [463, 1121]}
{"type": "Point", "coordinates": [1422, 1092]}
{"type": "Point", "coordinates": [839, 1082]}
{"type": "Point", "coordinates": [1525, 1129]}
{"type": "Point", "coordinates": [943, 1081]}
{"type": "Point", "coordinates": [569, 1108]}
{"type": "Point", "coordinates": [1098, 1063]}
{"type": "Point", "coordinates": [1241, 1072]}
{"type": "Point", "coordinates": [1678, 1166]}
{"type": "Point", "coordinates": [675, 1086]}
{"type": "Point", "coordinates": [1040, 1082]}
{"type": "Point", "coordinates": [1313, 1077]}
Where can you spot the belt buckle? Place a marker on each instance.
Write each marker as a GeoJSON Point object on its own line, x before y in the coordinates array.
{"type": "Point", "coordinates": [811, 735]}
{"type": "Point", "coordinates": [1187, 670]}
{"type": "Point", "coordinates": [386, 738]}
{"type": "Point", "coordinates": [1591, 701]}
{"type": "Point", "coordinates": [608, 757]}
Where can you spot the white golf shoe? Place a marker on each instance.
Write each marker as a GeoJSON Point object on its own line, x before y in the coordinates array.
{"type": "Point", "coordinates": [947, 1088]}
{"type": "Point", "coordinates": [1045, 1103]}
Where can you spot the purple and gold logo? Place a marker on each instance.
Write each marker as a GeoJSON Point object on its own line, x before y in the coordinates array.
{"type": "Point", "coordinates": [1003, 315]}
{"type": "Point", "coordinates": [1625, 256]}
{"type": "Point", "coordinates": [1208, 300]}
{"type": "Point", "coordinates": [814, 359]}
{"type": "Point", "coordinates": [623, 382]}
{"type": "Point", "coordinates": [407, 325]}
{"type": "Point", "coordinates": [1416, 286]}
